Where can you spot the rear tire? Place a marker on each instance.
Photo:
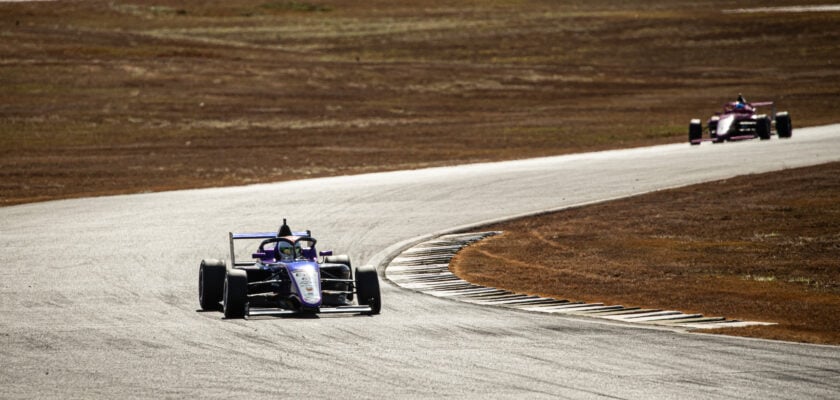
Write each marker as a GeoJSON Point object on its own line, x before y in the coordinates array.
{"type": "Point", "coordinates": [367, 288]}
{"type": "Point", "coordinates": [211, 282]}
{"type": "Point", "coordinates": [784, 127]}
{"type": "Point", "coordinates": [235, 293]}
{"type": "Point", "coordinates": [762, 128]}
{"type": "Point", "coordinates": [340, 259]}
{"type": "Point", "coordinates": [695, 132]}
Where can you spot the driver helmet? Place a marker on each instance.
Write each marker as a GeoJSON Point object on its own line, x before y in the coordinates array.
{"type": "Point", "coordinates": [285, 252]}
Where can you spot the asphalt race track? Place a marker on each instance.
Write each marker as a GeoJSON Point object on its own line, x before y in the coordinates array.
{"type": "Point", "coordinates": [98, 296]}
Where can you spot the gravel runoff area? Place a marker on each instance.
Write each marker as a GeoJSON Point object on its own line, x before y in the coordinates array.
{"type": "Point", "coordinates": [758, 247]}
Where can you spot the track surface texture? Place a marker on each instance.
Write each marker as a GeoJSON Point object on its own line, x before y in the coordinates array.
{"type": "Point", "coordinates": [98, 296]}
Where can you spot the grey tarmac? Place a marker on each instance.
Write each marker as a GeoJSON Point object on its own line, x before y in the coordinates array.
{"type": "Point", "coordinates": [98, 296]}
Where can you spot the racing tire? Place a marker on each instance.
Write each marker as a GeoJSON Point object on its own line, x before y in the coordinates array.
{"type": "Point", "coordinates": [784, 128]}
{"type": "Point", "coordinates": [762, 128]}
{"type": "Point", "coordinates": [342, 259]}
{"type": "Point", "coordinates": [367, 289]}
{"type": "Point", "coordinates": [211, 282]}
{"type": "Point", "coordinates": [235, 303]}
{"type": "Point", "coordinates": [713, 128]}
{"type": "Point", "coordinates": [695, 132]}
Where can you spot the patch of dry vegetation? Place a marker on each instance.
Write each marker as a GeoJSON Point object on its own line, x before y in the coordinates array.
{"type": "Point", "coordinates": [134, 96]}
{"type": "Point", "coordinates": [759, 247]}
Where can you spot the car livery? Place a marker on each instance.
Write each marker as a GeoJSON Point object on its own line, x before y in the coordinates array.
{"type": "Point", "coordinates": [740, 120]}
{"type": "Point", "coordinates": [286, 276]}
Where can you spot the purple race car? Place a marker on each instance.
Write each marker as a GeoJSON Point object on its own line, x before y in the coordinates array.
{"type": "Point", "coordinates": [740, 120]}
{"type": "Point", "coordinates": [287, 276]}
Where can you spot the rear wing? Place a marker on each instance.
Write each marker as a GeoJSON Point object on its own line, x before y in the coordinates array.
{"type": "Point", "coordinates": [252, 236]}
{"type": "Point", "coordinates": [765, 104]}
{"type": "Point", "coordinates": [754, 105]}
{"type": "Point", "coordinates": [772, 109]}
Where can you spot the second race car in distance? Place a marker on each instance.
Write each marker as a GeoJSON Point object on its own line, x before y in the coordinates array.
{"type": "Point", "coordinates": [740, 120]}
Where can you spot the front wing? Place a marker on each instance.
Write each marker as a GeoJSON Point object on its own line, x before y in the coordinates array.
{"type": "Point", "coordinates": [265, 311]}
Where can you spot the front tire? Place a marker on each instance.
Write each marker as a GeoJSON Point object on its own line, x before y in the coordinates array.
{"type": "Point", "coordinates": [695, 132]}
{"type": "Point", "coordinates": [367, 288]}
{"type": "Point", "coordinates": [235, 293]}
{"type": "Point", "coordinates": [211, 282]}
{"type": "Point", "coordinates": [784, 127]}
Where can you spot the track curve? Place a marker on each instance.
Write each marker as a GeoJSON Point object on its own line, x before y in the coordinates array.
{"type": "Point", "coordinates": [98, 296]}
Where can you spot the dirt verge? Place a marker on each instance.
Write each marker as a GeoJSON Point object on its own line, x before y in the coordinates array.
{"type": "Point", "coordinates": [758, 247]}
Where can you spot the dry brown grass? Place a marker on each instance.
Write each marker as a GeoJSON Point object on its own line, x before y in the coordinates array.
{"type": "Point", "coordinates": [760, 247]}
{"type": "Point", "coordinates": [124, 97]}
